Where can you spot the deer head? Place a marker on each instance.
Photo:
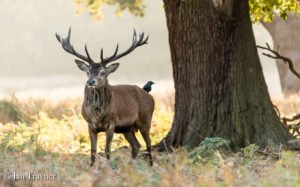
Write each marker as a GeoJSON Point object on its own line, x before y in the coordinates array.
{"type": "Point", "coordinates": [98, 72]}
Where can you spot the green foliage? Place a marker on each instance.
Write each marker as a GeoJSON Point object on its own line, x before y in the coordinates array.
{"type": "Point", "coordinates": [58, 143]}
{"type": "Point", "coordinates": [250, 150]}
{"type": "Point", "coordinates": [9, 112]}
{"type": "Point", "coordinates": [250, 153]}
{"type": "Point", "coordinates": [207, 147]}
{"type": "Point", "coordinates": [94, 7]}
{"type": "Point", "coordinates": [265, 9]}
{"type": "Point", "coordinates": [259, 9]}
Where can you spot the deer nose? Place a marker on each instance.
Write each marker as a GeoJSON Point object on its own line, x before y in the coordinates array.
{"type": "Point", "coordinates": [91, 82]}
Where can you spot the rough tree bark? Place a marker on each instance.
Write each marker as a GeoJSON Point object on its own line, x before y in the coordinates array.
{"type": "Point", "coordinates": [219, 83]}
{"type": "Point", "coordinates": [285, 34]}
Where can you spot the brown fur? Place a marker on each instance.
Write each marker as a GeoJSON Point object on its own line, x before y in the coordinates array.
{"type": "Point", "coordinates": [125, 108]}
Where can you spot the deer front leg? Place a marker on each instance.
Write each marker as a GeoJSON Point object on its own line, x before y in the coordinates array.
{"type": "Point", "coordinates": [109, 136]}
{"type": "Point", "coordinates": [93, 137]}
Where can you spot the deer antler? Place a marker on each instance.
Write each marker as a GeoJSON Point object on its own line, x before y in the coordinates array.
{"type": "Point", "coordinates": [136, 42]}
{"type": "Point", "coordinates": [67, 46]}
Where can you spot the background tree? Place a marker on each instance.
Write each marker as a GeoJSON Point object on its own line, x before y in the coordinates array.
{"type": "Point", "coordinates": [285, 34]}
{"type": "Point", "coordinates": [220, 88]}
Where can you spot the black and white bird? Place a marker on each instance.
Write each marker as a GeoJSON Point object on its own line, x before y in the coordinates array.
{"type": "Point", "coordinates": [147, 86]}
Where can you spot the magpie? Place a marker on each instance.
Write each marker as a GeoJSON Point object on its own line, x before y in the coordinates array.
{"type": "Point", "coordinates": [147, 86]}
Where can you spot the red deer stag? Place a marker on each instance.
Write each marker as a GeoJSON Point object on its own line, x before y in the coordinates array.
{"type": "Point", "coordinates": [106, 108]}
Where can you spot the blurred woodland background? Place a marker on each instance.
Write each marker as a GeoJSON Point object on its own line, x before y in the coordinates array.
{"type": "Point", "coordinates": [46, 133]}
{"type": "Point", "coordinates": [33, 63]}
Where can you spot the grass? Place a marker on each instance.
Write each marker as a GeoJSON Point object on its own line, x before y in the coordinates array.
{"type": "Point", "coordinates": [52, 139]}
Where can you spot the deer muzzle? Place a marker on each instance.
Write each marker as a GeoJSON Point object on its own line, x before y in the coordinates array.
{"type": "Point", "coordinates": [91, 83]}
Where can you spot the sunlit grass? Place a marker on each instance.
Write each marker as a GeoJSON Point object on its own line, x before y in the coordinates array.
{"type": "Point", "coordinates": [52, 138]}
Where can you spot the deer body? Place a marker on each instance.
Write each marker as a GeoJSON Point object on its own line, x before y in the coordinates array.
{"type": "Point", "coordinates": [106, 108]}
{"type": "Point", "coordinates": [121, 109]}
{"type": "Point", "coordinates": [126, 105]}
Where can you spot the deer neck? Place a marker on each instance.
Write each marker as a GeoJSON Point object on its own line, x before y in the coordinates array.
{"type": "Point", "coordinates": [98, 99]}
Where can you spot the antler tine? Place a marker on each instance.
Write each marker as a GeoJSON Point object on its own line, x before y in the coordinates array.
{"type": "Point", "coordinates": [115, 53]}
{"type": "Point", "coordinates": [87, 53]}
{"type": "Point", "coordinates": [134, 36]}
{"type": "Point", "coordinates": [141, 36]}
{"type": "Point", "coordinates": [69, 36]}
{"type": "Point", "coordinates": [146, 40]}
{"type": "Point", "coordinates": [117, 48]}
{"type": "Point", "coordinates": [67, 46]}
{"type": "Point", "coordinates": [142, 41]}
{"type": "Point", "coordinates": [136, 42]}
{"type": "Point", "coordinates": [101, 54]}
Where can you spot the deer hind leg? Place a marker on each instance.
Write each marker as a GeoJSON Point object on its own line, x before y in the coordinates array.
{"type": "Point", "coordinates": [145, 133]}
{"type": "Point", "coordinates": [134, 143]}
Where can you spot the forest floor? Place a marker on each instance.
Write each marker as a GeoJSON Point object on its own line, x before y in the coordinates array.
{"type": "Point", "coordinates": [50, 140]}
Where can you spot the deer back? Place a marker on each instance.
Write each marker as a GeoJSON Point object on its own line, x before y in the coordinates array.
{"type": "Point", "coordinates": [123, 104]}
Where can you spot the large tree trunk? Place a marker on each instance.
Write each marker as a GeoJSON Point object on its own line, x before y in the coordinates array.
{"type": "Point", "coordinates": [285, 34]}
{"type": "Point", "coordinates": [219, 83]}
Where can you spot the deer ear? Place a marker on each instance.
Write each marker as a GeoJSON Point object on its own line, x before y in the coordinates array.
{"type": "Point", "coordinates": [112, 68]}
{"type": "Point", "coordinates": [82, 66]}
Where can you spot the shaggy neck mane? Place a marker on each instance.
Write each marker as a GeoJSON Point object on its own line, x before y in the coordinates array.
{"type": "Point", "coordinates": [97, 100]}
